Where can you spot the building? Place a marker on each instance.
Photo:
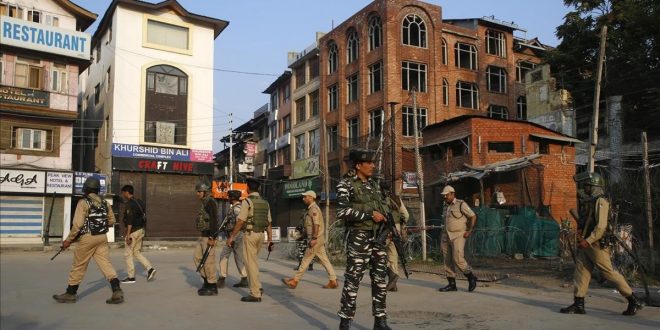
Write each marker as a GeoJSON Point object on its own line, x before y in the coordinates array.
{"type": "Point", "coordinates": [43, 49]}
{"type": "Point", "coordinates": [547, 105]}
{"type": "Point", "coordinates": [530, 164]}
{"type": "Point", "coordinates": [147, 103]}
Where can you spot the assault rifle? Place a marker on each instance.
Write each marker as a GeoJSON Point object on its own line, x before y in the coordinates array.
{"type": "Point", "coordinates": [389, 227]}
{"type": "Point", "coordinates": [204, 257]}
{"type": "Point", "coordinates": [62, 247]}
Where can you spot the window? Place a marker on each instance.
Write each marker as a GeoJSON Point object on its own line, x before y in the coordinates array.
{"type": "Point", "coordinates": [467, 95]}
{"type": "Point", "coordinates": [97, 94]}
{"type": "Point", "coordinates": [375, 77]}
{"type": "Point", "coordinates": [375, 32]}
{"type": "Point", "coordinates": [333, 98]}
{"type": "Point", "coordinates": [29, 73]}
{"type": "Point", "coordinates": [168, 35]}
{"type": "Point", "coordinates": [59, 79]}
{"type": "Point", "coordinates": [98, 53]}
{"type": "Point", "coordinates": [166, 106]}
{"type": "Point", "coordinates": [413, 75]}
{"type": "Point", "coordinates": [353, 131]}
{"type": "Point", "coordinates": [522, 67]}
{"type": "Point", "coordinates": [286, 124]}
{"type": "Point", "coordinates": [314, 103]}
{"type": "Point", "coordinates": [314, 67]}
{"type": "Point", "coordinates": [352, 84]}
{"type": "Point", "coordinates": [496, 78]}
{"type": "Point", "coordinates": [300, 76]}
{"type": "Point", "coordinates": [31, 139]}
{"type": "Point", "coordinates": [544, 148]}
{"type": "Point", "coordinates": [108, 79]}
{"type": "Point", "coordinates": [498, 111]}
{"type": "Point", "coordinates": [272, 132]}
{"type": "Point", "coordinates": [495, 43]}
{"type": "Point", "coordinates": [414, 31]}
{"type": "Point", "coordinates": [272, 159]}
{"type": "Point", "coordinates": [408, 120]}
{"type": "Point", "coordinates": [521, 106]}
{"type": "Point", "coordinates": [445, 55]}
{"type": "Point", "coordinates": [332, 57]}
{"type": "Point", "coordinates": [274, 98]}
{"type": "Point", "coordinates": [465, 56]}
{"type": "Point", "coordinates": [287, 93]}
{"type": "Point", "coordinates": [333, 138]}
{"type": "Point", "coordinates": [352, 46]}
{"type": "Point", "coordinates": [301, 112]}
{"type": "Point", "coordinates": [34, 16]}
{"type": "Point", "coordinates": [500, 147]}
{"type": "Point", "coordinates": [300, 146]}
{"type": "Point", "coordinates": [286, 155]}
{"type": "Point", "coordinates": [376, 123]}
{"type": "Point", "coordinates": [314, 142]}
{"type": "Point", "coordinates": [52, 20]}
{"type": "Point", "coordinates": [14, 11]}
{"type": "Point", "coordinates": [445, 92]}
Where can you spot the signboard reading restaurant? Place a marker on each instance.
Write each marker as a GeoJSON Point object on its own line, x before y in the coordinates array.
{"type": "Point", "coordinates": [45, 38]}
{"type": "Point", "coordinates": [24, 96]}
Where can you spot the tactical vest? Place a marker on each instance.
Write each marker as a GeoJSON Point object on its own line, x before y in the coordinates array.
{"type": "Point", "coordinates": [203, 218]}
{"type": "Point", "coordinates": [258, 219]}
{"type": "Point", "coordinates": [366, 200]}
{"type": "Point", "coordinates": [96, 222]}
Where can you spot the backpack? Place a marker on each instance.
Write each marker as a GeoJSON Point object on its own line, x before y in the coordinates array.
{"type": "Point", "coordinates": [97, 218]}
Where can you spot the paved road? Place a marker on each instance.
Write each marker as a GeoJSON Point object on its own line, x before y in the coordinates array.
{"type": "Point", "coordinates": [28, 279]}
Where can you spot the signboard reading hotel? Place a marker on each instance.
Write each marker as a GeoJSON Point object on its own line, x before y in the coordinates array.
{"type": "Point", "coordinates": [161, 153]}
{"type": "Point", "coordinates": [44, 38]}
{"type": "Point", "coordinates": [59, 183]}
{"type": "Point", "coordinates": [23, 181]}
{"type": "Point", "coordinates": [24, 96]}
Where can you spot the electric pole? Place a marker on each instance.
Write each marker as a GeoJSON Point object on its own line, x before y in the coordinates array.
{"type": "Point", "coordinates": [594, 123]}
{"type": "Point", "coordinates": [420, 174]}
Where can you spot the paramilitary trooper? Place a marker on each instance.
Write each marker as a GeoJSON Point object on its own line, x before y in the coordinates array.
{"type": "Point", "coordinates": [400, 215]}
{"type": "Point", "coordinates": [207, 224]}
{"type": "Point", "coordinates": [594, 250]}
{"type": "Point", "coordinates": [91, 221]}
{"type": "Point", "coordinates": [237, 249]}
{"type": "Point", "coordinates": [253, 219]}
{"type": "Point", "coordinates": [360, 205]}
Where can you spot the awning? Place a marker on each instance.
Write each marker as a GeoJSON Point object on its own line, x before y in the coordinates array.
{"type": "Point", "coordinates": [556, 138]}
{"type": "Point", "coordinates": [445, 140]}
{"type": "Point", "coordinates": [479, 172]}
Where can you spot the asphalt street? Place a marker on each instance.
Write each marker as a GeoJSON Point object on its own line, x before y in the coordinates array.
{"type": "Point", "coordinates": [29, 279]}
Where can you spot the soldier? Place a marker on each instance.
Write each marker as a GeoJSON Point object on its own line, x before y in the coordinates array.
{"type": "Point", "coordinates": [207, 224]}
{"type": "Point", "coordinates": [301, 248]}
{"type": "Point", "coordinates": [400, 215]}
{"type": "Point", "coordinates": [91, 221]}
{"type": "Point", "coordinates": [229, 223]}
{"type": "Point", "coordinates": [134, 221]}
{"type": "Point", "coordinates": [362, 208]}
{"type": "Point", "coordinates": [314, 226]}
{"type": "Point", "coordinates": [593, 251]}
{"type": "Point", "coordinates": [452, 242]}
{"type": "Point", "coordinates": [253, 219]}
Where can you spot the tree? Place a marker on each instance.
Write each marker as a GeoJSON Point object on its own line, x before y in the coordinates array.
{"type": "Point", "coordinates": [632, 66]}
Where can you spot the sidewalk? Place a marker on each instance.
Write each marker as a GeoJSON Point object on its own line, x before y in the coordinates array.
{"type": "Point", "coordinates": [55, 245]}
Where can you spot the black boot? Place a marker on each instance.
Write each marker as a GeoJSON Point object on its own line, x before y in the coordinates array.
{"type": "Point", "coordinates": [634, 305]}
{"type": "Point", "coordinates": [206, 283]}
{"type": "Point", "coordinates": [221, 283]}
{"type": "Point", "coordinates": [576, 308]}
{"type": "Point", "coordinates": [310, 267]}
{"type": "Point", "coordinates": [380, 323]}
{"type": "Point", "coordinates": [209, 289]}
{"type": "Point", "coordinates": [392, 278]}
{"type": "Point", "coordinates": [117, 294]}
{"type": "Point", "coordinates": [69, 297]}
{"type": "Point", "coordinates": [472, 281]}
{"type": "Point", "coordinates": [242, 284]}
{"type": "Point", "coordinates": [450, 287]}
{"type": "Point", "coordinates": [344, 324]}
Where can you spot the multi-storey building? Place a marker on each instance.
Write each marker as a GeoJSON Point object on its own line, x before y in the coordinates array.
{"type": "Point", "coordinates": [149, 101]}
{"type": "Point", "coordinates": [42, 51]}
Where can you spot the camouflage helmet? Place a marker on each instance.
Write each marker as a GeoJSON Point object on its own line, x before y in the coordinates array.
{"type": "Point", "coordinates": [202, 187]}
{"type": "Point", "coordinates": [234, 194]}
{"type": "Point", "coordinates": [92, 183]}
{"type": "Point", "coordinates": [596, 180]}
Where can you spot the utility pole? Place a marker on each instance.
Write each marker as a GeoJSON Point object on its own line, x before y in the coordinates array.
{"type": "Point", "coordinates": [326, 174]}
{"type": "Point", "coordinates": [420, 174]}
{"type": "Point", "coordinates": [594, 122]}
{"type": "Point", "coordinates": [393, 134]}
{"type": "Point", "coordinates": [649, 210]}
{"type": "Point", "coordinates": [231, 153]}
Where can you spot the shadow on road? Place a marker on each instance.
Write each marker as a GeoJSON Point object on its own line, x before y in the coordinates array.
{"type": "Point", "coordinates": [95, 286]}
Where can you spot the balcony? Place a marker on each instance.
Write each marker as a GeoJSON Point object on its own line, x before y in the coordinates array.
{"type": "Point", "coordinates": [283, 141]}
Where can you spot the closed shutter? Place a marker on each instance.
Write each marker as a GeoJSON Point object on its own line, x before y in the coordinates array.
{"type": "Point", "coordinates": [21, 216]}
{"type": "Point", "coordinates": [171, 206]}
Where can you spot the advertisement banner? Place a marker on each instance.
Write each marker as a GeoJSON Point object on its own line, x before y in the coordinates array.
{"type": "Point", "coordinates": [219, 189]}
{"type": "Point", "coordinates": [249, 149]}
{"type": "Point", "coordinates": [409, 180]}
{"type": "Point", "coordinates": [80, 177]}
{"type": "Point", "coordinates": [161, 153]}
{"type": "Point", "coordinates": [160, 166]}
{"type": "Point", "coordinates": [23, 181]}
{"type": "Point", "coordinates": [59, 183]}
{"type": "Point", "coordinates": [306, 167]}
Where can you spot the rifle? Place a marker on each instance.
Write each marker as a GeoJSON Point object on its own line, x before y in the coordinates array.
{"type": "Point", "coordinates": [204, 257]}
{"type": "Point", "coordinates": [62, 247]}
{"type": "Point", "coordinates": [270, 249]}
{"type": "Point", "coordinates": [386, 228]}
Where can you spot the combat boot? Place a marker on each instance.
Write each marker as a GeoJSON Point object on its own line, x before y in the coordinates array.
{"type": "Point", "coordinates": [209, 289]}
{"type": "Point", "coordinates": [576, 308]}
{"type": "Point", "coordinates": [392, 278]}
{"type": "Point", "coordinates": [634, 305]}
{"type": "Point", "coordinates": [117, 294]}
{"type": "Point", "coordinates": [69, 297]}
{"type": "Point", "coordinates": [221, 283]}
{"type": "Point", "coordinates": [242, 284]}
{"type": "Point", "coordinates": [332, 284]}
{"type": "Point", "coordinates": [380, 323]}
{"type": "Point", "coordinates": [291, 283]}
{"type": "Point", "coordinates": [450, 287]}
{"type": "Point", "coordinates": [472, 281]}
{"type": "Point", "coordinates": [310, 268]}
{"type": "Point", "coordinates": [206, 283]}
{"type": "Point", "coordinates": [344, 324]}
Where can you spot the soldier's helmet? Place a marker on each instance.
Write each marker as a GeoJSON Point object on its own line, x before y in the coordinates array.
{"type": "Point", "coordinates": [361, 155]}
{"type": "Point", "coordinates": [92, 184]}
{"type": "Point", "coordinates": [202, 187]}
{"type": "Point", "coordinates": [596, 180]}
{"type": "Point", "coordinates": [234, 194]}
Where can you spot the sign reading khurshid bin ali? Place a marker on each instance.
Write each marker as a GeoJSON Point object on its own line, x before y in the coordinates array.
{"type": "Point", "coordinates": [44, 38]}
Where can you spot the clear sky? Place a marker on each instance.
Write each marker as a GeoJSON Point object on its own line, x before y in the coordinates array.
{"type": "Point", "coordinates": [252, 52]}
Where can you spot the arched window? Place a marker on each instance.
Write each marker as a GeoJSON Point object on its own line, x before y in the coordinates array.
{"type": "Point", "coordinates": [352, 45]}
{"type": "Point", "coordinates": [375, 32]}
{"type": "Point", "coordinates": [332, 57]}
{"type": "Point", "coordinates": [166, 105]}
{"type": "Point", "coordinates": [414, 31]}
{"type": "Point", "coordinates": [445, 92]}
{"type": "Point", "coordinates": [445, 55]}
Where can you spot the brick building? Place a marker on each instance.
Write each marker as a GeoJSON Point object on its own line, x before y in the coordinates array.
{"type": "Point", "coordinates": [530, 164]}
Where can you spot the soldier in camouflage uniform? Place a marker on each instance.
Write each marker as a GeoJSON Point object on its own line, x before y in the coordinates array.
{"type": "Point", "coordinates": [207, 224]}
{"type": "Point", "coordinates": [226, 251]}
{"type": "Point", "coordinates": [360, 205]}
{"type": "Point", "coordinates": [400, 215]}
